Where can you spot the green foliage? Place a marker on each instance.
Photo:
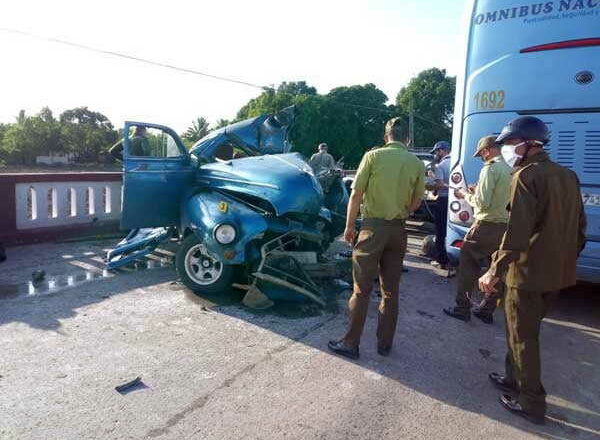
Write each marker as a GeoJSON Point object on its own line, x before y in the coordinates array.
{"type": "Point", "coordinates": [296, 88]}
{"type": "Point", "coordinates": [196, 131]}
{"type": "Point", "coordinates": [350, 119]}
{"type": "Point", "coordinates": [432, 93]}
{"type": "Point", "coordinates": [87, 134]}
{"type": "Point", "coordinates": [222, 123]}
{"type": "Point", "coordinates": [80, 131]}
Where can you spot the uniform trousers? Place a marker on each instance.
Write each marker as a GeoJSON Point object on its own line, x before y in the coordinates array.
{"type": "Point", "coordinates": [524, 311]}
{"type": "Point", "coordinates": [379, 250]}
{"type": "Point", "coordinates": [482, 240]}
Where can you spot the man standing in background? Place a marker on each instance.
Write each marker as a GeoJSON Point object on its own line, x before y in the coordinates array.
{"type": "Point", "coordinates": [489, 200]}
{"type": "Point", "coordinates": [441, 155]}
{"type": "Point", "coordinates": [390, 183]}
{"type": "Point", "coordinates": [321, 161]}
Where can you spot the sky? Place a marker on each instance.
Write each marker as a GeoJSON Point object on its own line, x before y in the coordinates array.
{"type": "Point", "coordinates": [327, 43]}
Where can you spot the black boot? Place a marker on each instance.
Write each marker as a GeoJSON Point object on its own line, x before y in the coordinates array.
{"type": "Point", "coordinates": [341, 348]}
{"type": "Point", "coordinates": [486, 317]}
{"type": "Point", "coordinates": [458, 314]}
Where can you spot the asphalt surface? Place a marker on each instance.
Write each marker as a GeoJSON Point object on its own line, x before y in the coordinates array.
{"type": "Point", "coordinates": [211, 369]}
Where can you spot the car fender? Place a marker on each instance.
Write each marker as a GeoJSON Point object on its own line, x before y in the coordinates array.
{"type": "Point", "coordinates": [203, 212]}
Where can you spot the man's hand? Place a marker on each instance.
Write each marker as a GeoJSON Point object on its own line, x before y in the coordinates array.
{"type": "Point", "coordinates": [472, 189]}
{"type": "Point", "coordinates": [487, 284]}
{"type": "Point", "coordinates": [349, 234]}
{"type": "Point", "coordinates": [459, 193]}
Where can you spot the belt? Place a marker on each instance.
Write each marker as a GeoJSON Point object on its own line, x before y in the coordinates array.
{"type": "Point", "coordinates": [384, 222]}
{"type": "Point", "coordinates": [487, 222]}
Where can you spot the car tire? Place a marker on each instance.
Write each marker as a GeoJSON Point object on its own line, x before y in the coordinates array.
{"type": "Point", "coordinates": [201, 271]}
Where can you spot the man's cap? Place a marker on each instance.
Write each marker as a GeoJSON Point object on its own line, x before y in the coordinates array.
{"type": "Point", "coordinates": [392, 123]}
{"type": "Point", "coordinates": [485, 142]}
{"type": "Point", "coordinates": [440, 145]}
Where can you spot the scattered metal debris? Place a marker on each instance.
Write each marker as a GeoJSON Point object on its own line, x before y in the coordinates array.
{"type": "Point", "coordinates": [129, 386]}
{"type": "Point", "coordinates": [38, 276]}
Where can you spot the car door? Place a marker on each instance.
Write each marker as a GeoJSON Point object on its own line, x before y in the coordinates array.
{"type": "Point", "coordinates": [157, 169]}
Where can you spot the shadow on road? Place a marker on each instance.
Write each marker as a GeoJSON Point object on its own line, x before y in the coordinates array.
{"type": "Point", "coordinates": [433, 355]}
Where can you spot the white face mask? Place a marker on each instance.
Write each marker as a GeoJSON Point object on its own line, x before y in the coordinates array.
{"type": "Point", "coordinates": [510, 155]}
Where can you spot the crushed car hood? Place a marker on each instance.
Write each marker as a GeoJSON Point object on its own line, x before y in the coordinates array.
{"type": "Point", "coordinates": [286, 181]}
{"type": "Point", "coordinates": [266, 134]}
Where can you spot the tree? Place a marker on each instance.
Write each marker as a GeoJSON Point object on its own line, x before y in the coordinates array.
{"type": "Point", "coordinates": [196, 131]}
{"type": "Point", "coordinates": [432, 94]}
{"type": "Point", "coordinates": [296, 88]}
{"type": "Point", "coordinates": [349, 119]}
{"type": "Point", "coordinates": [32, 136]}
{"type": "Point", "coordinates": [274, 100]}
{"type": "Point", "coordinates": [221, 123]}
{"type": "Point", "coordinates": [87, 134]}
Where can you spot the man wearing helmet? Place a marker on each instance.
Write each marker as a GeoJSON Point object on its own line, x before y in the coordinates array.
{"type": "Point", "coordinates": [537, 257]}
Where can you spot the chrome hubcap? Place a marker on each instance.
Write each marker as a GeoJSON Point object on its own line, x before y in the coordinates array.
{"type": "Point", "coordinates": [202, 267]}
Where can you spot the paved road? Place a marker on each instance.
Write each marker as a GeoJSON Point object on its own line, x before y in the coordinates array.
{"type": "Point", "coordinates": [215, 371]}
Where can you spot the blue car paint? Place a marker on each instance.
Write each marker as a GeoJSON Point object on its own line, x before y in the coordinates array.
{"type": "Point", "coordinates": [289, 185]}
{"type": "Point", "coordinates": [197, 196]}
{"type": "Point", "coordinates": [203, 212]}
{"type": "Point", "coordinates": [153, 187]}
{"type": "Point", "coordinates": [260, 135]}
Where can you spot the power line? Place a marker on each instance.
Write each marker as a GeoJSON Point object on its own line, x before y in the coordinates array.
{"type": "Point", "coordinates": [183, 69]}
{"type": "Point", "coordinates": [132, 58]}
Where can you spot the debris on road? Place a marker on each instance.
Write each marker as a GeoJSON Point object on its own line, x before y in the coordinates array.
{"type": "Point", "coordinates": [129, 386]}
{"type": "Point", "coordinates": [38, 275]}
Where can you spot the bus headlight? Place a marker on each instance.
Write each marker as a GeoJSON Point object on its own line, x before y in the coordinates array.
{"type": "Point", "coordinates": [225, 234]}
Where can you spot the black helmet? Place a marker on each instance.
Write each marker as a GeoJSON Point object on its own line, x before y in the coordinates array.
{"type": "Point", "coordinates": [527, 128]}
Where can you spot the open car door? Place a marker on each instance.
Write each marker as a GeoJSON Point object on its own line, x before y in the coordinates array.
{"type": "Point", "coordinates": [156, 170]}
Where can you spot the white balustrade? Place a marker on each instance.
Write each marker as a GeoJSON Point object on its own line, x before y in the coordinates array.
{"type": "Point", "coordinates": [47, 204]}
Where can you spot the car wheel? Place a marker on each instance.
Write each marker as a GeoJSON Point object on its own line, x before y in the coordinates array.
{"type": "Point", "coordinates": [202, 271]}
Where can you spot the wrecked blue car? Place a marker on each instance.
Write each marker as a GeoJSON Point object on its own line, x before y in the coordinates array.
{"type": "Point", "coordinates": [242, 206]}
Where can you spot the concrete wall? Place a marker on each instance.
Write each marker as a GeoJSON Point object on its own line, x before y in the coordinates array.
{"type": "Point", "coordinates": [47, 206]}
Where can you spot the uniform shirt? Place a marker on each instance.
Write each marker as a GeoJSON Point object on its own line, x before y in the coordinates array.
{"type": "Point", "coordinates": [391, 179]}
{"type": "Point", "coordinates": [321, 161]}
{"type": "Point", "coordinates": [442, 173]}
{"type": "Point", "coordinates": [546, 228]}
{"type": "Point", "coordinates": [139, 146]}
{"type": "Point", "coordinates": [493, 192]}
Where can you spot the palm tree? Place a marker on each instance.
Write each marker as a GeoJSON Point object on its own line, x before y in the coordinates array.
{"type": "Point", "coordinates": [197, 130]}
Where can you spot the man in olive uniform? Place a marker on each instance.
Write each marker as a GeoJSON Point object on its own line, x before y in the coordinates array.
{"type": "Point", "coordinates": [489, 201]}
{"type": "Point", "coordinates": [138, 145]}
{"type": "Point", "coordinates": [538, 254]}
{"type": "Point", "coordinates": [321, 161]}
{"type": "Point", "coordinates": [390, 183]}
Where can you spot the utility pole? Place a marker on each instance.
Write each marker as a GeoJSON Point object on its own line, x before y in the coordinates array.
{"type": "Point", "coordinates": [411, 123]}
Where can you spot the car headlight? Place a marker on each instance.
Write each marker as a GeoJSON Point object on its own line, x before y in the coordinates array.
{"type": "Point", "coordinates": [225, 234]}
